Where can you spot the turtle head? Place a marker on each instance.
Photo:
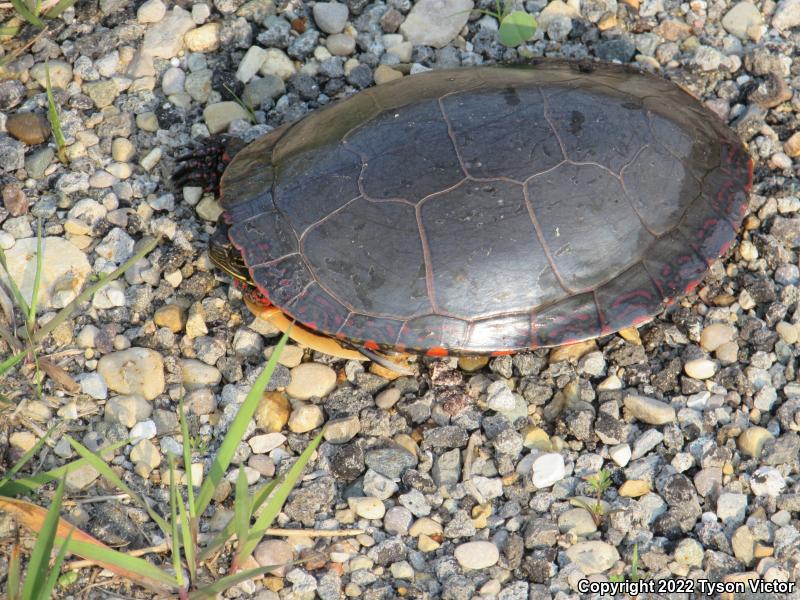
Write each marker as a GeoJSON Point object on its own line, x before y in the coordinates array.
{"type": "Point", "coordinates": [226, 257]}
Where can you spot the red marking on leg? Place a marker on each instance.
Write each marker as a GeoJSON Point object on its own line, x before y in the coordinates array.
{"type": "Point", "coordinates": [502, 352]}
{"type": "Point", "coordinates": [371, 345]}
{"type": "Point", "coordinates": [437, 351]}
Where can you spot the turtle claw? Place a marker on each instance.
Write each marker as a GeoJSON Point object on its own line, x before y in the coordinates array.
{"type": "Point", "coordinates": [203, 167]}
{"type": "Point", "coordinates": [384, 362]}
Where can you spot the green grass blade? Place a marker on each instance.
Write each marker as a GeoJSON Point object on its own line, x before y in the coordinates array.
{"type": "Point", "coordinates": [37, 279]}
{"type": "Point", "coordinates": [55, 570]}
{"type": "Point", "coordinates": [124, 561]}
{"type": "Point", "coordinates": [106, 472]}
{"type": "Point", "coordinates": [173, 511]}
{"type": "Point", "coordinates": [11, 362]}
{"type": "Point", "coordinates": [236, 431]}
{"type": "Point", "coordinates": [275, 503]}
{"type": "Point", "coordinates": [241, 512]}
{"type": "Point", "coordinates": [187, 460]}
{"type": "Point", "coordinates": [220, 585]}
{"type": "Point", "coordinates": [223, 536]}
{"type": "Point", "coordinates": [55, 120]}
{"type": "Point", "coordinates": [188, 541]}
{"type": "Point", "coordinates": [29, 484]}
{"type": "Point", "coordinates": [25, 12]}
{"type": "Point", "coordinates": [12, 583]}
{"type": "Point", "coordinates": [22, 304]}
{"type": "Point", "coordinates": [40, 557]}
{"type": "Point", "coordinates": [25, 458]}
{"type": "Point", "coordinates": [59, 8]}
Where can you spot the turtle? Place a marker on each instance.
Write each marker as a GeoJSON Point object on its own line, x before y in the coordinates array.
{"type": "Point", "coordinates": [481, 210]}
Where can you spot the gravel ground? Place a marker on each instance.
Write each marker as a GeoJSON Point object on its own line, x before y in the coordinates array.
{"type": "Point", "coordinates": [697, 421]}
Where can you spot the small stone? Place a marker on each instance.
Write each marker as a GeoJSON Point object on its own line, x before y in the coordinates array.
{"type": "Point", "coordinates": [102, 93]}
{"type": "Point", "coordinates": [385, 74]}
{"type": "Point", "coordinates": [728, 353]}
{"type": "Point", "coordinates": [787, 331]}
{"type": "Point", "coordinates": [767, 481]}
{"type": "Point", "coordinates": [397, 520]}
{"type": "Point", "coordinates": [477, 555]}
{"type": "Point", "coordinates": [554, 10]}
{"type": "Point", "coordinates": [150, 159]}
{"type": "Point", "coordinates": [536, 438]}
{"type": "Point", "coordinates": [122, 150]}
{"type": "Point", "coordinates": [689, 552]}
{"type": "Point", "coordinates": [273, 412]}
{"type": "Point", "coordinates": [134, 371]}
{"type": "Point", "coordinates": [311, 380]}
{"type": "Point", "coordinates": [741, 18]}
{"type": "Point", "coordinates": [367, 507]}
{"type": "Point", "coordinates": [499, 396]}
{"type": "Point", "coordinates": [633, 488]}
{"type": "Point", "coordinates": [547, 469]}
{"type": "Point", "coordinates": [37, 162]}
{"type": "Point", "coordinates": [147, 121]}
{"type": "Point", "coordinates": [649, 410]}
{"type": "Point", "coordinates": [60, 74]}
{"type": "Point", "coordinates": [577, 521]}
{"type": "Point", "coordinates": [219, 115]}
{"type": "Point", "coordinates": [593, 557]}
{"type": "Point", "coordinates": [715, 335]}
{"type": "Point", "coordinates": [262, 444]}
{"type": "Point", "coordinates": [390, 461]}
{"type": "Point", "coordinates": [378, 486]}
{"type": "Point", "coordinates": [14, 200]}
{"type": "Point", "coordinates": [204, 38]}
{"type": "Point", "coordinates": [274, 552]}
{"type": "Point", "coordinates": [277, 63]}
{"type": "Point", "coordinates": [470, 364]}
{"type": "Point", "coordinates": [435, 22]}
{"type": "Point", "coordinates": [731, 508]}
{"type": "Point", "coordinates": [305, 417]}
{"type": "Point", "coordinates": [340, 44]}
{"type": "Point", "coordinates": [572, 351]}
{"type": "Point", "coordinates": [145, 453]}
{"type": "Point", "coordinates": [29, 128]}
{"type": "Point", "coordinates": [151, 11]}
{"type": "Point", "coordinates": [752, 440]}
{"type": "Point", "coordinates": [250, 64]}
{"type": "Point", "coordinates": [792, 146]}
{"type": "Point", "coordinates": [620, 454]}
{"type": "Point", "coordinates": [197, 374]}
{"type": "Point", "coordinates": [700, 368]}
{"type": "Point", "coordinates": [425, 543]}
{"type": "Point", "coordinates": [426, 526]}
{"type": "Point", "coordinates": [22, 440]}
{"type": "Point", "coordinates": [786, 15]}
{"type": "Point", "coordinates": [341, 431]}
{"type": "Point", "coordinates": [93, 385]}
{"type": "Point", "coordinates": [127, 410]}
{"type": "Point", "coordinates": [171, 316]}
{"type": "Point", "coordinates": [330, 17]}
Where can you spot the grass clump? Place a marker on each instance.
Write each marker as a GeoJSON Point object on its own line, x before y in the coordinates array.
{"type": "Point", "coordinates": [599, 483]}
{"type": "Point", "coordinates": [193, 562]}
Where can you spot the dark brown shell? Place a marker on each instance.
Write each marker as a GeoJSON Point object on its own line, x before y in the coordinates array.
{"type": "Point", "coordinates": [489, 209]}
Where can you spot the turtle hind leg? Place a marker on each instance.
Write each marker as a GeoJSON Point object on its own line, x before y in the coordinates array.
{"type": "Point", "coordinates": [383, 361]}
{"type": "Point", "coordinates": [203, 167]}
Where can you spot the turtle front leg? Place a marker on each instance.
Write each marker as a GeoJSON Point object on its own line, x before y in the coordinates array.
{"type": "Point", "coordinates": [204, 166]}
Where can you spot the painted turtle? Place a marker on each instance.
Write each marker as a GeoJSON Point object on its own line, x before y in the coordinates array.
{"type": "Point", "coordinates": [483, 210]}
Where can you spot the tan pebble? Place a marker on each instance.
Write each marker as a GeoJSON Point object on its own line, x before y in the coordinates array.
{"type": "Point", "coordinates": [171, 316]}
{"type": "Point", "coordinates": [792, 145]}
{"type": "Point", "coordinates": [716, 334]}
{"type": "Point", "coordinates": [787, 331]}
{"type": "Point", "coordinates": [425, 526]}
{"type": "Point", "coordinates": [367, 507]}
{"type": "Point", "coordinates": [30, 128]}
{"type": "Point", "coordinates": [572, 351]}
{"type": "Point", "coordinates": [273, 412]}
{"type": "Point", "coordinates": [762, 551]}
{"type": "Point", "coordinates": [633, 488]}
{"type": "Point", "coordinates": [728, 353]}
{"type": "Point", "coordinates": [311, 380]}
{"type": "Point", "coordinates": [470, 364]}
{"type": "Point", "coordinates": [631, 334]}
{"type": "Point", "coordinates": [427, 544]}
{"type": "Point", "coordinates": [305, 418]}
{"type": "Point", "coordinates": [752, 440]}
{"type": "Point", "coordinates": [700, 368]}
{"type": "Point", "coordinates": [481, 514]}
{"type": "Point", "coordinates": [384, 74]}
{"type": "Point", "coordinates": [536, 437]}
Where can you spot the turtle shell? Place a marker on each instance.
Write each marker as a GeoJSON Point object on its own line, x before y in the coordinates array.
{"type": "Point", "coordinates": [488, 210]}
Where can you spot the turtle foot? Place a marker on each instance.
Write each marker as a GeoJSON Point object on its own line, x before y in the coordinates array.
{"type": "Point", "coordinates": [204, 166]}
